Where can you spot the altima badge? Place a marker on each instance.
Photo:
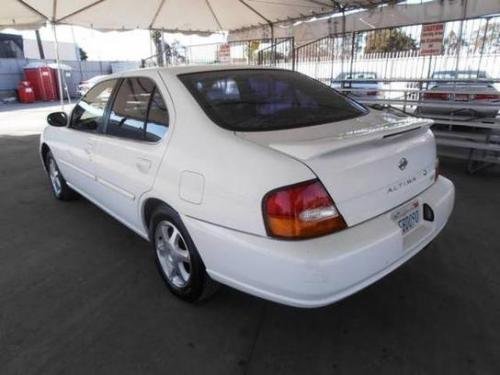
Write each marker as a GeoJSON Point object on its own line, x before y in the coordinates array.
{"type": "Point", "coordinates": [402, 164]}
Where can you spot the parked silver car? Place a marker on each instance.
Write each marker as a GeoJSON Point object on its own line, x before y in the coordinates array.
{"type": "Point", "coordinates": [475, 95]}
{"type": "Point", "coordinates": [358, 84]}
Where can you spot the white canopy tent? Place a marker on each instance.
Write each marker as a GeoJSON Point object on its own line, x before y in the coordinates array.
{"type": "Point", "coordinates": [188, 16]}
{"type": "Point", "coordinates": [185, 16]}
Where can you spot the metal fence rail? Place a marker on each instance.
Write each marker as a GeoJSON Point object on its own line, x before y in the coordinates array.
{"type": "Point", "coordinates": [402, 74]}
{"type": "Point", "coordinates": [281, 53]}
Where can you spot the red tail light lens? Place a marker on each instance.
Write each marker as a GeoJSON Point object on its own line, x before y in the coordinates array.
{"type": "Point", "coordinates": [372, 93]}
{"type": "Point", "coordinates": [486, 97]}
{"type": "Point", "coordinates": [436, 96]}
{"type": "Point", "coordinates": [301, 211]}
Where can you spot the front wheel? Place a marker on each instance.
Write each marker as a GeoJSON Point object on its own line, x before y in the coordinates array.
{"type": "Point", "coordinates": [58, 184]}
{"type": "Point", "coordinates": [177, 258]}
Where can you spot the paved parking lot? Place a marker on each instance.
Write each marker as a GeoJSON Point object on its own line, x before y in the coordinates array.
{"type": "Point", "coordinates": [79, 294]}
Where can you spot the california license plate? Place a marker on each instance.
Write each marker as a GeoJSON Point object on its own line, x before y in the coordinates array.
{"type": "Point", "coordinates": [407, 217]}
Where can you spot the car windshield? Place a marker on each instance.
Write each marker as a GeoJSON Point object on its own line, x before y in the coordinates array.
{"type": "Point", "coordinates": [266, 99]}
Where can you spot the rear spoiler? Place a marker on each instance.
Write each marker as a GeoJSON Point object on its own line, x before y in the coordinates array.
{"type": "Point", "coordinates": [323, 146]}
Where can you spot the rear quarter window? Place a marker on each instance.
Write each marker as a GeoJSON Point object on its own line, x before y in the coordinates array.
{"type": "Point", "coordinates": [266, 99]}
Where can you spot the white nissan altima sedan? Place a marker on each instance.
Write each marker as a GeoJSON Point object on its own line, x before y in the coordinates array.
{"type": "Point", "coordinates": [261, 179]}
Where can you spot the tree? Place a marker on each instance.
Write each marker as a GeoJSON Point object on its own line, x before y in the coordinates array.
{"type": "Point", "coordinates": [389, 41]}
{"type": "Point", "coordinates": [156, 37]}
{"type": "Point", "coordinates": [175, 53]}
{"type": "Point", "coordinates": [451, 43]}
{"type": "Point", "coordinates": [83, 54]}
{"type": "Point", "coordinates": [491, 39]}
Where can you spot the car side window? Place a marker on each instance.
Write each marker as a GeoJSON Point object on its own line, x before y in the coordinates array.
{"type": "Point", "coordinates": [157, 124]}
{"type": "Point", "coordinates": [89, 112]}
{"type": "Point", "coordinates": [138, 111]}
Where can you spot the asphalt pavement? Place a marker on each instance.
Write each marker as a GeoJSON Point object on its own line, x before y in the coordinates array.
{"type": "Point", "coordinates": [80, 294]}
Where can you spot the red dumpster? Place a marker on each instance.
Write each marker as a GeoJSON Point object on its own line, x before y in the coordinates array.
{"type": "Point", "coordinates": [43, 82]}
{"type": "Point", "coordinates": [25, 92]}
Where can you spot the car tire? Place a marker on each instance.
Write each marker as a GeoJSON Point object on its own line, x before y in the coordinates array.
{"type": "Point", "coordinates": [177, 258]}
{"type": "Point", "coordinates": [60, 188]}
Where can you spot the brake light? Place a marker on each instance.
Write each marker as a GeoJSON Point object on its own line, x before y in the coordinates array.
{"type": "Point", "coordinates": [301, 211]}
{"type": "Point", "coordinates": [372, 93]}
{"type": "Point", "coordinates": [486, 97]}
{"type": "Point", "coordinates": [436, 96]}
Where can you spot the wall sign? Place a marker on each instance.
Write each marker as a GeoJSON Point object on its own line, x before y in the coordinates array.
{"type": "Point", "coordinates": [431, 39]}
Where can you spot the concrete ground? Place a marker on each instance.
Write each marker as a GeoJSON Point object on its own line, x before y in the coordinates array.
{"type": "Point", "coordinates": [79, 294]}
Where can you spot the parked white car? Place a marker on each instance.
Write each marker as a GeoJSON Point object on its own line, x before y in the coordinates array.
{"type": "Point", "coordinates": [261, 179]}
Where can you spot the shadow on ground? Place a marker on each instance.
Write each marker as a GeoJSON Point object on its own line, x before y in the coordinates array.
{"type": "Point", "coordinates": [79, 294]}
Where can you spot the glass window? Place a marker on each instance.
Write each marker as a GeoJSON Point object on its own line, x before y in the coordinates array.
{"type": "Point", "coordinates": [266, 99]}
{"type": "Point", "coordinates": [157, 123]}
{"type": "Point", "coordinates": [357, 75]}
{"type": "Point", "coordinates": [89, 112]}
{"type": "Point", "coordinates": [135, 99]}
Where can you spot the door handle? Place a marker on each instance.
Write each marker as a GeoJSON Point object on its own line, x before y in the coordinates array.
{"type": "Point", "coordinates": [143, 165]}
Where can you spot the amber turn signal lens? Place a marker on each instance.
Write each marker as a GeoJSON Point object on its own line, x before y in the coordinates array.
{"type": "Point", "coordinates": [301, 211]}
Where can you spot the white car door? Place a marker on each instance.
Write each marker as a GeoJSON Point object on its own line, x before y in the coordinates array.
{"type": "Point", "coordinates": [129, 153]}
{"type": "Point", "coordinates": [74, 146]}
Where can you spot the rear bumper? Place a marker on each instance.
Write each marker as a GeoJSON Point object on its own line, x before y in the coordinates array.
{"type": "Point", "coordinates": [317, 272]}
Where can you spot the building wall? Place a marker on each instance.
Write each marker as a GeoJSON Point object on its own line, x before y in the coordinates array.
{"type": "Point", "coordinates": [67, 51]}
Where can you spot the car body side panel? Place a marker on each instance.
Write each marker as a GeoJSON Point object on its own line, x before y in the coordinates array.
{"type": "Point", "coordinates": [126, 169]}
{"type": "Point", "coordinates": [236, 173]}
{"type": "Point", "coordinates": [73, 151]}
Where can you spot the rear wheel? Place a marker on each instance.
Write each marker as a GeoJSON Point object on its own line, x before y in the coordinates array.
{"type": "Point", "coordinates": [59, 186]}
{"type": "Point", "coordinates": [177, 258]}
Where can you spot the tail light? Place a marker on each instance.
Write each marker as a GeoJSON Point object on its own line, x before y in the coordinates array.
{"type": "Point", "coordinates": [372, 93]}
{"type": "Point", "coordinates": [436, 96]}
{"type": "Point", "coordinates": [486, 97]}
{"type": "Point", "coordinates": [301, 211]}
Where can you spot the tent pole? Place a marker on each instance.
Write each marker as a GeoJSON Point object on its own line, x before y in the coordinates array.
{"type": "Point", "coordinates": [59, 76]}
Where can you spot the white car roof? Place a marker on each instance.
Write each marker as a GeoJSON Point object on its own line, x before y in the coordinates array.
{"type": "Point", "coordinates": [177, 70]}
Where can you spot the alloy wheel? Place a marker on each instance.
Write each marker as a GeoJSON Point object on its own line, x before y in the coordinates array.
{"type": "Point", "coordinates": [55, 177]}
{"type": "Point", "coordinates": [173, 254]}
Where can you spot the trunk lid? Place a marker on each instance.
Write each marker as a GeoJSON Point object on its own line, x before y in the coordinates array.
{"type": "Point", "coordinates": [369, 164]}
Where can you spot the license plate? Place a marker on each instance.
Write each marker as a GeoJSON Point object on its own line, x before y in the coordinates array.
{"type": "Point", "coordinates": [407, 217]}
{"type": "Point", "coordinates": [461, 97]}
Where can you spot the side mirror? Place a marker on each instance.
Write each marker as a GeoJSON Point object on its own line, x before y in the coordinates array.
{"type": "Point", "coordinates": [57, 119]}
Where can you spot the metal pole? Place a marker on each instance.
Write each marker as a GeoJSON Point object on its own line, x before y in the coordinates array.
{"type": "Point", "coordinates": [79, 59]}
{"type": "Point", "coordinates": [343, 48]}
{"type": "Point", "coordinates": [331, 42]}
{"type": "Point", "coordinates": [59, 77]}
{"type": "Point", "coordinates": [482, 45]}
{"type": "Point", "coordinates": [273, 46]}
{"type": "Point", "coordinates": [352, 53]}
{"type": "Point", "coordinates": [40, 45]}
{"type": "Point", "coordinates": [459, 46]}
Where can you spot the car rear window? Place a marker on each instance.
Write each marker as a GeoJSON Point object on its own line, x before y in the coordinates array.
{"type": "Point", "coordinates": [357, 76]}
{"type": "Point", "coordinates": [266, 99]}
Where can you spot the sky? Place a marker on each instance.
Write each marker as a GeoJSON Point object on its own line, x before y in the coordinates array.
{"type": "Point", "coordinates": [113, 45]}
